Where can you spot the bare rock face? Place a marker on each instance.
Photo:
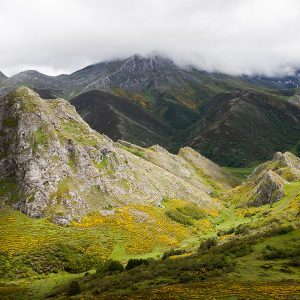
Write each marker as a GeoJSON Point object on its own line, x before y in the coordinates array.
{"type": "Point", "coordinates": [269, 189]}
{"type": "Point", "coordinates": [53, 164]}
{"type": "Point", "coordinates": [266, 184]}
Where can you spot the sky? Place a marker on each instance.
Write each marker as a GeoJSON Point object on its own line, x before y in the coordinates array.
{"type": "Point", "coordinates": [230, 36]}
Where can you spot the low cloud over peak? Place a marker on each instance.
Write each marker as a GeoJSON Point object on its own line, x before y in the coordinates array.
{"type": "Point", "coordinates": [232, 36]}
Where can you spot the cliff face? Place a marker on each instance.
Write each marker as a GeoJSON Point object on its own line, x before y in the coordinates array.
{"type": "Point", "coordinates": [266, 184]}
{"type": "Point", "coordinates": [53, 164]}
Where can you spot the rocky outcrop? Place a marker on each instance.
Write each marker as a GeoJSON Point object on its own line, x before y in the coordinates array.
{"type": "Point", "coordinates": [210, 168]}
{"type": "Point", "coordinates": [53, 164]}
{"type": "Point", "coordinates": [269, 188]}
{"type": "Point", "coordinates": [266, 184]}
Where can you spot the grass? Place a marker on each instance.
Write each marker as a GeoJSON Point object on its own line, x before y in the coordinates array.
{"type": "Point", "coordinates": [37, 287]}
{"type": "Point", "coordinates": [72, 161]}
{"type": "Point", "coordinates": [140, 231]}
{"type": "Point", "coordinates": [10, 122]}
{"type": "Point", "coordinates": [40, 138]}
{"type": "Point", "coordinates": [240, 174]}
{"type": "Point", "coordinates": [77, 132]}
{"type": "Point", "coordinates": [221, 268]}
{"type": "Point", "coordinates": [134, 151]}
{"type": "Point", "coordinates": [102, 164]}
{"type": "Point", "coordinates": [10, 189]}
{"type": "Point", "coordinates": [216, 290]}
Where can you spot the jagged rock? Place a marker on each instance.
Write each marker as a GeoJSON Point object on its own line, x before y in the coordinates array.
{"type": "Point", "coordinates": [54, 164]}
{"type": "Point", "coordinates": [210, 168]}
{"type": "Point", "coordinates": [268, 189]}
{"type": "Point", "coordinates": [266, 184]}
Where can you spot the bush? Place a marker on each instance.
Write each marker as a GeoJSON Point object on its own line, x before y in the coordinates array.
{"type": "Point", "coordinates": [295, 261]}
{"type": "Point", "coordinates": [186, 277]}
{"type": "Point", "coordinates": [134, 262]}
{"type": "Point", "coordinates": [207, 244]}
{"type": "Point", "coordinates": [60, 257]}
{"type": "Point", "coordinates": [249, 214]}
{"type": "Point", "coordinates": [173, 252]}
{"type": "Point", "coordinates": [224, 232]}
{"type": "Point", "coordinates": [74, 288]}
{"type": "Point", "coordinates": [278, 230]}
{"type": "Point", "coordinates": [192, 211]}
{"type": "Point", "coordinates": [213, 262]}
{"type": "Point", "coordinates": [242, 229]}
{"type": "Point", "coordinates": [110, 266]}
{"type": "Point", "coordinates": [179, 217]}
{"type": "Point", "coordinates": [236, 248]}
{"type": "Point", "coordinates": [271, 252]}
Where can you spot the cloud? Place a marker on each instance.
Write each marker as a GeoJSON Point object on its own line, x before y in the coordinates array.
{"type": "Point", "coordinates": [231, 36]}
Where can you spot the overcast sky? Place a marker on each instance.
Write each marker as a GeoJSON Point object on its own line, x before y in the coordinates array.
{"type": "Point", "coordinates": [231, 36]}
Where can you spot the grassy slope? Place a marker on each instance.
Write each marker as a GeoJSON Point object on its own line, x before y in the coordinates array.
{"type": "Point", "coordinates": [113, 240]}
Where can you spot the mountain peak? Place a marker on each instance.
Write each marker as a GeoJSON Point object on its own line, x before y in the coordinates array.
{"type": "Point", "coordinates": [2, 76]}
{"type": "Point", "coordinates": [153, 62]}
{"type": "Point", "coordinates": [56, 165]}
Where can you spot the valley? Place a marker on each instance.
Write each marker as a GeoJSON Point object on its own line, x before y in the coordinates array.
{"type": "Point", "coordinates": [86, 217]}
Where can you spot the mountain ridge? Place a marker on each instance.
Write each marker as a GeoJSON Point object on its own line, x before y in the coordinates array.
{"type": "Point", "coordinates": [54, 164]}
{"type": "Point", "coordinates": [180, 100]}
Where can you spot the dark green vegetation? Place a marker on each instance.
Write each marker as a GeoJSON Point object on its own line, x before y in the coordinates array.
{"type": "Point", "coordinates": [121, 118]}
{"type": "Point", "coordinates": [242, 247]}
{"type": "Point", "coordinates": [165, 247]}
{"type": "Point", "coordinates": [150, 100]}
{"type": "Point", "coordinates": [260, 254]}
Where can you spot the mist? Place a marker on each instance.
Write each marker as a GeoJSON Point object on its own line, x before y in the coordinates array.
{"type": "Point", "coordinates": [232, 36]}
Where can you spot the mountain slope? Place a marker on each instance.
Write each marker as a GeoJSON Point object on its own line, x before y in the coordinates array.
{"type": "Point", "coordinates": [2, 77]}
{"type": "Point", "coordinates": [180, 106]}
{"type": "Point", "coordinates": [245, 127]}
{"type": "Point", "coordinates": [120, 118]}
{"type": "Point", "coordinates": [267, 183]}
{"type": "Point", "coordinates": [54, 164]}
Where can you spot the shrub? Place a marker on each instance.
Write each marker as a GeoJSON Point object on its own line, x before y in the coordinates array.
{"type": "Point", "coordinates": [278, 230]}
{"type": "Point", "coordinates": [242, 229]}
{"type": "Point", "coordinates": [192, 211]}
{"type": "Point", "coordinates": [134, 262]}
{"type": "Point", "coordinates": [236, 248]}
{"type": "Point", "coordinates": [179, 217]}
{"type": "Point", "coordinates": [207, 244]}
{"type": "Point", "coordinates": [173, 252]}
{"type": "Point", "coordinates": [74, 288]}
{"type": "Point", "coordinates": [224, 232]}
{"type": "Point", "coordinates": [212, 262]}
{"type": "Point", "coordinates": [110, 266]}
{"type": "Point", "coordinates": [271, 252]}
{"type": "Point", "coordinates": [249, 214]}
{"type": "Point", "coordinates": [295, 261]}
{"type": "Point", "coordinates": [186, 277]}
{"type": "Point", "coordinates": [286, 269]}
{"type": "Point", "coordinates": [59, 257]}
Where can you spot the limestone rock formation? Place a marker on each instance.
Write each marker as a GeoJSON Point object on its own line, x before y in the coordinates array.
{"type": "Point", "coordinates": [53, 164]}
{"type": "Point", "coordinates": [266, 184]}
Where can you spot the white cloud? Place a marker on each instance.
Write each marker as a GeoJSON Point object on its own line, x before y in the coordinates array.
{"type": "Point", "coordinates": [232, 36]}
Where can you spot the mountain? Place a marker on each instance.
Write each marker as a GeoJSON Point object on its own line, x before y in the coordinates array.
{"type": "Point", "coordinates": [121, 118]}
{"type": "Point", "coordinates": [276, 82]}
{"type": "Point", "coordinates": [84, 216]}
{"type": "Point", "coordinates": [179, 106]}
{"type": "Point", "coordinates": [54, 165]}
{"type": "Point", "coordinates": [2, 77]}
{"type": "Point", "coordinates": [244, 127]}
{"type": "Point", "coordinates": [266, 184]}
{"type": "Point", "coordinates": [33, 79]}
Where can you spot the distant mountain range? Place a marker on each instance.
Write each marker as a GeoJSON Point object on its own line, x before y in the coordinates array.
{"type": "Point", "coordinates": [233, 120]}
